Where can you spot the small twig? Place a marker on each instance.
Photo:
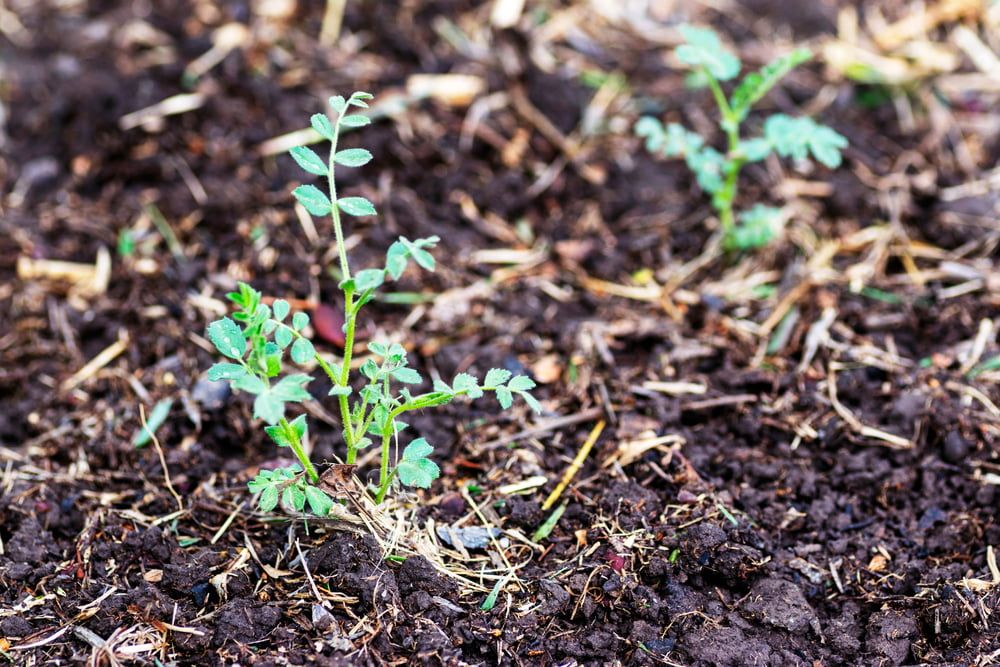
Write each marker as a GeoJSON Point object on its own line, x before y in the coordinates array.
{"type": "Point", "coordinates": [575, 466]}
{"type": "Point", "coordinates": [163, 460]}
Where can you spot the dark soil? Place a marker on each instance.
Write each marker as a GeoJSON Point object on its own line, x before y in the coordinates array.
{"type": "Point", "coordinates": [777, 532]}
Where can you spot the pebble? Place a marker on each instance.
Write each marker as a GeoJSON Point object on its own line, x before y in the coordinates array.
{"type": "Point", "coordinates": [474, 537]}
{"type": "Point", "coordinates": [956, 448]}
{"type": "Point", "coordinates": [209, 394]}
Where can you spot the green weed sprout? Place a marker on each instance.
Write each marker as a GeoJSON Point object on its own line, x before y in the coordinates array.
{"type": "Point", "coordinates": [718, 173]}
{"type": "Point", "coordinates": [257, 337]}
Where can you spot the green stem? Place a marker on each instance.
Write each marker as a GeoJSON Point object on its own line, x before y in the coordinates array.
{"type": "Point", "coordinates": [351, 315]}
{"type": "Point", "coordinates": [300, 453]}
{"type": "Point", "coordinates": [338, 230]}
{"type": "Point", "coordinates": [731, 125]}
{"type": "Point", "coordinates": [728, 196]}
{"type": "Point", "coordinates": [385, 477]}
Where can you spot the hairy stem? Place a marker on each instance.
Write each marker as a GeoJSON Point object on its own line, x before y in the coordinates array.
{"type": "Point", "coordinates": [300, 453]}
{"type": "Point", "coordinates": [351, 316]}
{"type": "Point", "coordinates": [385, 477]}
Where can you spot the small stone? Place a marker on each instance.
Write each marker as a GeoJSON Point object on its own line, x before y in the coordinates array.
{"type": "Point", "coordinates": [474, 537]}
{"type": "Point", "coordinates": [956, 448]}
{"type": "Point", "coordinates": [659, 646]}
{"type": "Point", "coordinates": [209, 394]}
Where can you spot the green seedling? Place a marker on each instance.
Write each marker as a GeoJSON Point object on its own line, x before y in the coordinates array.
{"type": "Point", "coordinates": [718, 173]}
{"type": "Point", "coordinates": [258, 337]}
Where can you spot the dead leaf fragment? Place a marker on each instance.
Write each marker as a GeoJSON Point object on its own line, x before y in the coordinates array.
{"type": "Point", "coordinates": [547, 369]}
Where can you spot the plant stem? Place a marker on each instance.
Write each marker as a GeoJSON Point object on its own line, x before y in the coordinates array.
{"type": "Point", "coordinates": [293, 440]}
{"type": "Point", "coordinates": [338, 230]}
{"type": "Point", "coordinates": [385, 477]}
{"type": "Point", "coordinates": [731, 125]}
{"type": "Point", "coordinates": [351, 315]}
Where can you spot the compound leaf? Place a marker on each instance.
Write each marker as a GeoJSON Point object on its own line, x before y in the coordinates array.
{"type": "Point", "coordinates": [757, 84]}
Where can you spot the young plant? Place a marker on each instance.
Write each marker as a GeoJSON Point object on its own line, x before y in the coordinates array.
{"type": "Point", "coordinates": [257, 338]}
{"type": "Point", "coordinates": [718, 173]}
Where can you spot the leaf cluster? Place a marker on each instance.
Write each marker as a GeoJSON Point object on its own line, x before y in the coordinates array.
{"type": "Point", "coordinates": [715, 172]}
{"type": "Point", "coordinates": [289, 487]}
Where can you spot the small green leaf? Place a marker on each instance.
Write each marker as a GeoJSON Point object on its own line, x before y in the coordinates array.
{"type": "Point", "coordinates": [395, 259]}
{"type": "Point", "coordinates": [352, 157]}
{"type": "Point", "coordinates": [338, 104]}
{"type": "Point", "coordinates": [268, 499]}
{"type": "Point", "coordinates": [415, 469]}
{"type": "Point", "coordinates": [292, 388]}
{"type": "Point", "coordinates": [418, 473]}
{"type": "Point", "coordinates": [261, 481]}
{"type": "Point", "coordinates": [309, 161]}
{"type": "Point", "coordinates": [531, 401]}
{"type": "Point", "coordinates": [283, 337]}
{"type": "Point", "coordinates": [708, 166]}
{"type": "Point", "coordinates": [521, 383]}
{"type": "Point", "coordinates": [299, 321]}
{"type": "Point", "coordinates": [703, 49]}
{"type": "Point", "coordinates": [272, 363]}
{"type": "Point", "coordinates": [225, 371]}
{"type": "Point", "coordinates": [157, 416]}
{"type": "Point", "coordinates": [757, 84]}
{"type": "Point", "coordinates": [369, 279]}
{"type": "Point", "coordinates": [227, 337]}
{"type": "Point", "coordinates": [293, 498]}
{"type": "Point", "coordinates": [758, 227]}
{"type": "Point", "coordinates": [755, 150]}
{"type": "Point", "coordinates": [249, 383]}
{"type": "Point", "coordinates": [464, 382]}
{"type": "Point", "coordinates": [356, 206]}
{"type": "Point", "coordinates": [355, 120]}
{"type": "Point", "coordinates": [313, 199]}
{"type": "Point", "coordinates": [280, 309]}
{"type": "Point", "coordinates": [359, 97]}
{"type": "Point", "coordinates": [797, 137]}
{"type": "Point", "coordinates": [319, 502]}
{"type": "Point", "coordinates": [302, 351]}
{"type": "Point", "coordinates": [340, 391]}
{"type": "Point", "coordinates": [268, 407]}
{"type": "Point", "coordinates": [418, 449]}
{"type": "Point", "coordinates": [651, 130]}
{"type": "Point", "coordinates": [322, 125]}
{"type": "Point", "coordinates": [416, 250]}
{"type": "Point", "coordinates": [406, 375]}
{"type": "Point", "coordinates": [280, 438]}
{"type": "Point", "coordinates": [496, 377]}
{"type": "Point", "coordinates": [504, 397]}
